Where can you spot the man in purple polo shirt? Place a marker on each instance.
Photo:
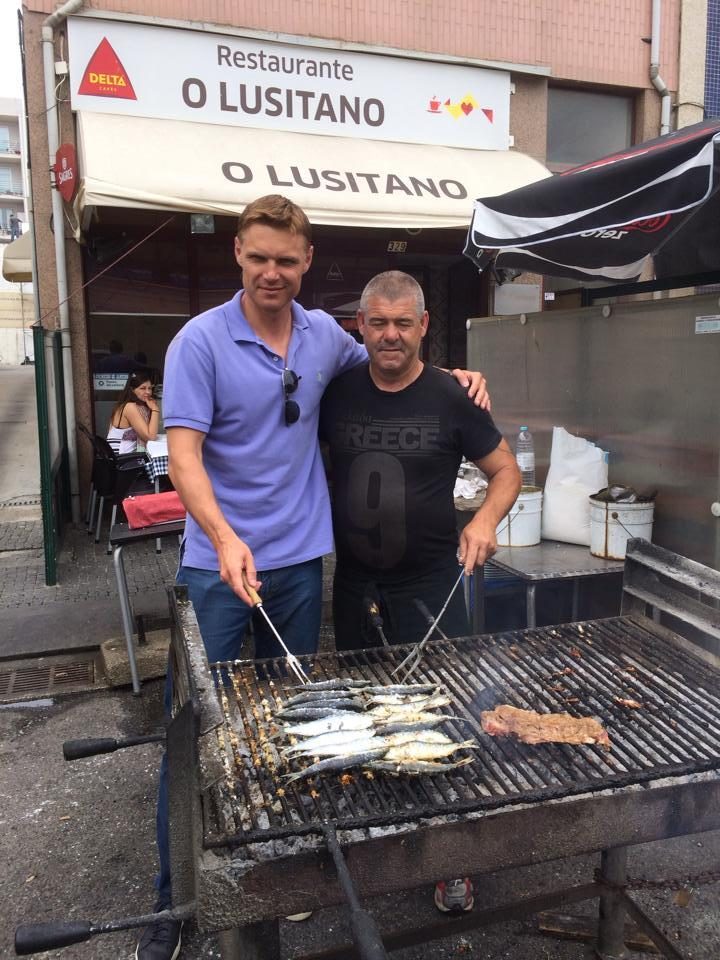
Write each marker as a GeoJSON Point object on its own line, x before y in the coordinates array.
{"type": "Point", "coordinates": [241, 399]}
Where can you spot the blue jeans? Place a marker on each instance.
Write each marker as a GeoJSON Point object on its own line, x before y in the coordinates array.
{"type": "Point", "coordinates": [292, 597]}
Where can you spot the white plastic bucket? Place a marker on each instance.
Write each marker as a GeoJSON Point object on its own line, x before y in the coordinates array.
{"type": "Point", "coordinates": [521, 527]}
{"type": "Point", "coordinates": [613, 524]}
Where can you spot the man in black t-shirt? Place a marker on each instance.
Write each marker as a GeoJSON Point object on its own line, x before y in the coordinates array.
{"type": "Point", "coordinates": [397, 430]}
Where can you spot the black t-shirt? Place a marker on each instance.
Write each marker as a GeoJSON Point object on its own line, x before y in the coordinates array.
{"type": "Point", "coordinates": [394, 459]}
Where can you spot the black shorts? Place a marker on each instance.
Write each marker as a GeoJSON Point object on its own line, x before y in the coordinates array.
{"type": "Point", "coordinates": [402, 621]}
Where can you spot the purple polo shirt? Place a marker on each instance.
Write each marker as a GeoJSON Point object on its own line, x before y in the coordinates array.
{"type": "Point", "coordinates": [223, 380]}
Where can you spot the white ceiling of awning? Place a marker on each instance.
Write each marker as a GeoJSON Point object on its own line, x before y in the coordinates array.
{"type": "Point", "coordinates": [175, 165]}
{"type": "Point", "coordinates": [17, 260]}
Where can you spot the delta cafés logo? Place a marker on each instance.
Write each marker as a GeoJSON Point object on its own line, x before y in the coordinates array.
{"type": "Point", "coordinates": [105, 76]}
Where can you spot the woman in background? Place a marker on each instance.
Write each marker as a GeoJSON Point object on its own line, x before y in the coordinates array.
{"type": "Point", "coordinates": [136, 415]}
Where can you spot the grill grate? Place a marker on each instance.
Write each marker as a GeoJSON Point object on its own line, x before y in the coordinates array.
{"type": "Point", "coordinates": [580, 668]}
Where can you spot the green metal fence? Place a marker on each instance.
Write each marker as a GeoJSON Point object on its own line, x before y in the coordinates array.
{"type": "Point", "coordinates": [52, 441]}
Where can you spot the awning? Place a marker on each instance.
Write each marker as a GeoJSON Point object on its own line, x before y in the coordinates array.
{"type": "Point", "coordinates": [605, 219]}
{"type": "Point", "coordinates": [17, 260]}
{"type": "Point", "coordinates": [175, 165]}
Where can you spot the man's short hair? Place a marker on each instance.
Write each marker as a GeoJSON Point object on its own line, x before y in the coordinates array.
{"type": "Point", "coordinates": [275, 211]}
{"type": "Point", "coordinates": [392, 285]}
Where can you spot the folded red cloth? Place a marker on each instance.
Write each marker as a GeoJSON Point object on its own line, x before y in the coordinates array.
{"type": "Point", "coordinates": [152, 508]}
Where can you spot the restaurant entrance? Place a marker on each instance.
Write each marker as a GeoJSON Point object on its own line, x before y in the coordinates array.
{"type": "Point", "coordinates": [153, 271]}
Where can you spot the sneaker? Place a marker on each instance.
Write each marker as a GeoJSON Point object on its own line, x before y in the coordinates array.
{"type": "Point", "coordinates": [298, 917]}
{"type": "Point", "coordinates": [454, 896]}
{"type": "Point", "coordinates": [160, 941]}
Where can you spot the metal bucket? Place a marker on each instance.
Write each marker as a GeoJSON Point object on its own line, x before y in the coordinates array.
{"type": "Point", "coordinates": [521, 527]}
{"type": "Point", "coordinates": [613, 524]}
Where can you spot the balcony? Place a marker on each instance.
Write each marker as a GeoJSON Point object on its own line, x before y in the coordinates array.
{"type": "Point", "coordinates": [10, 150]}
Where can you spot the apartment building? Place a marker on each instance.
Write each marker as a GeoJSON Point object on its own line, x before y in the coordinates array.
{"type": "Point", "coordinates": [12, 194]}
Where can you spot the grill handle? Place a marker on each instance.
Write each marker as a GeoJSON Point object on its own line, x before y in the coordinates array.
{"type": "Point", "coordinates": [365, 932]}
{"type": "Point", "coordinates": [77, 749]}
{"type": "Point", "coordinates": [36, 937]}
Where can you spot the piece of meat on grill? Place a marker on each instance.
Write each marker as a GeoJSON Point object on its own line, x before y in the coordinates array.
{"type": "Point", "coordinates": [531, 727]}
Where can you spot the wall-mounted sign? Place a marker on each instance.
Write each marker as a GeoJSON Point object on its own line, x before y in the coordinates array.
{"type": "Point", "coordinates": [397, 246]}
{"type": "Point", "coordinates": [66, 176]}
{"type": "Point", "coordinates": [113, 382]}
{"type": "Point", "coordinates": [145, 70]}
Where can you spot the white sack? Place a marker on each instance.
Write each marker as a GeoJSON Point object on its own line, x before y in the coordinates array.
{"type": "Point", "coordinates": [577, 469]}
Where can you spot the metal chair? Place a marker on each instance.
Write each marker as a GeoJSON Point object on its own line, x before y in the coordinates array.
{"type": "Point", "coordinates": [90, 511]}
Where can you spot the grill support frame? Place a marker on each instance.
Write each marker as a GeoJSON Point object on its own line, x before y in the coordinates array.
{"type": "Point", "coordinates": [236, 888]}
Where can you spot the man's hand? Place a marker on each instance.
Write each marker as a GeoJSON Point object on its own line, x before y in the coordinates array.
{"type": "Point", "coordinates": [478, 542]}
{"type": "Point", "coordinates": [477, 387]}
{"type": "Point", "coordinates": [236, 558]}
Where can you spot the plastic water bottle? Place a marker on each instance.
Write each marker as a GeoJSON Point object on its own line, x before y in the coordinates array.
{"type": "Point", "coordinates": [525, 454]}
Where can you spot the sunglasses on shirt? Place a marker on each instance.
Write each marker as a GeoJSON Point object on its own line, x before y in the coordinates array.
{"type": "Point", "coordinates": [290, 381]}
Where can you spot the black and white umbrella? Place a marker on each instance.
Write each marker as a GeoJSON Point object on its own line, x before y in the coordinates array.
{"type": "Point", "coordinates": [603, 220]}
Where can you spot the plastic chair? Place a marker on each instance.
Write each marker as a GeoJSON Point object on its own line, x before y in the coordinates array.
{"type": "Point", "coordinates": [114, 477]}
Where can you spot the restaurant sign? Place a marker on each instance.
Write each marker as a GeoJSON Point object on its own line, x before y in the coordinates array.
{"type": "Point", "coordinates": [170, 73]}
{"type": "Point", "coordinates": [66, 178]}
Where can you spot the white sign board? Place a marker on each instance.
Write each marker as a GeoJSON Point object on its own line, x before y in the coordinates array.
{"type": "Point", "coordinates": [166, 72]}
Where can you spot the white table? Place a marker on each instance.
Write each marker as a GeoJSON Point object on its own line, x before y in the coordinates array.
{"type": "Point", "coordinates": [157, 467]}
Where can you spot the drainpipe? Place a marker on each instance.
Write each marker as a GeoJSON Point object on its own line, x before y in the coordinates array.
{"type": "Point", "coordinates": [48, 48]}
{"type": "Point", "coordinates": [655, 78]}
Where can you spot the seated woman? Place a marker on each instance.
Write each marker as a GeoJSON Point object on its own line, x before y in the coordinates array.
{"type": "Point", "coordinates": [136, 416]}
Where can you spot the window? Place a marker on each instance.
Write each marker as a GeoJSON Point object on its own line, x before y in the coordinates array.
{"type": "Point", "coordinates": [583, 126]}
{"type": "Point", "coordinates": [5, 180]}
{"type": "Point", "coordinates": [4, 139]}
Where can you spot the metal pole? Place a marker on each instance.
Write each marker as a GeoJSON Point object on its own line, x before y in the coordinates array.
{"type": "Point", "coordinates": [48, 47]}
{"type": "Point", "coordinates": [611, 929]}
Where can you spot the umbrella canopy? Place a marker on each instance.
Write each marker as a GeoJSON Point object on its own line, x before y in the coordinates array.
{"type": "Point", "coordinates": [17, 260]}
{"type": "Point", "coordinates": [604, 219]}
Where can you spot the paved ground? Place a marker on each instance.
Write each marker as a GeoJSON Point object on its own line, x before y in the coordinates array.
{"type": "Point", "coordinates": [77, 840]}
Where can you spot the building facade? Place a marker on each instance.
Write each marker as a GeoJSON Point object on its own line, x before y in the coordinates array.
{"type": "Point", "coordinates": [383, 123]}
{"type": "Point", "coordinates": [16, 299]}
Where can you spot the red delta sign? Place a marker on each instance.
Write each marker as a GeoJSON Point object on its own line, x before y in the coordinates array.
{"type": "Point", "coordinates": [105, 76]}
{"type": "Point", "coordinates": [66, 177]}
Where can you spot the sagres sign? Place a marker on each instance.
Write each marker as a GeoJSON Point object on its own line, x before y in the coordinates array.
{"type": "Point", "coordinates": [164, 72]}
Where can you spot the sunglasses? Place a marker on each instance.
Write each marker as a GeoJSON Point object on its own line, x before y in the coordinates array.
{"type": "Point", "coordinates": [290, 381]}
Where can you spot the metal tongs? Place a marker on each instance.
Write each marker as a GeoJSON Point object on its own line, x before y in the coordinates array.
{"type": "Point", "coordinates": [292, 661]}
{"type": "Point", "coordinates": [412, 660]}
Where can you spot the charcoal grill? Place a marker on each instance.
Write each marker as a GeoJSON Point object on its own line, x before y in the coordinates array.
{"type": "Point", "coordinates": [245, 848]}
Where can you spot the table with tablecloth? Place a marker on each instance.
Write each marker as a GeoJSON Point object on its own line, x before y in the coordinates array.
{"type": "Point", "coordinates": [157, 465]}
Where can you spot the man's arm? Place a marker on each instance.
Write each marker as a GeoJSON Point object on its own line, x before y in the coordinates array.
{"type": "Point", "coordinates": [192, 483]}
{"type": "Point", "coordinates": [478, 541]}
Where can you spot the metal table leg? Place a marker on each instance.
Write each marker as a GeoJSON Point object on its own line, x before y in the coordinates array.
{"type": "Point", "coordinates": [127, 616]}
{"type": "Point", "coordinates": [575, 600]}
{"type": "Point", "coordinates": [611, 930]}
{"type": "Point", "coordinates": [158, 542]}
{"type": "Point", "coordinates": [530, 604]}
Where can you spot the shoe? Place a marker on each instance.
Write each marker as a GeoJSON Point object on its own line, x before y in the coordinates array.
{"type": "Point", "coordinates": [454, 896]}
{"type": "Point", "coordinates": [298, 917]}
{"type": "Point", "coordinates": [160, 941]}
